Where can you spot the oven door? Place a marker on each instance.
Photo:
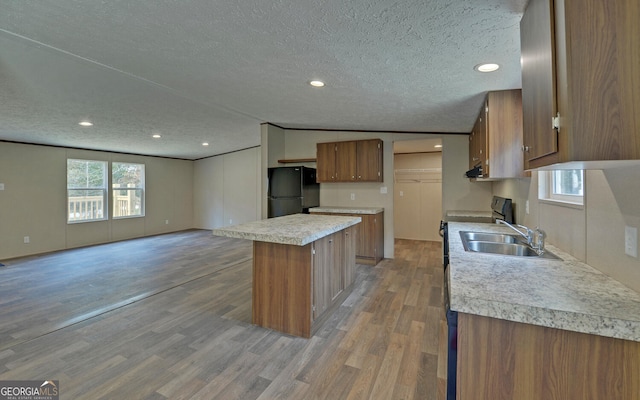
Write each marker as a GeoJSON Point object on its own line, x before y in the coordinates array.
{"type": "Point", "coordinates": [444, 233]}
{"type": "Point", "coordinates": [452, 342]}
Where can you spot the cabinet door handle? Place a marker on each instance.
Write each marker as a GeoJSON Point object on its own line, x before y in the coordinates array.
{"type": "Point", "coordinates": [475, 158]}
{"type": "Point", "coordinates": [525, 149]}
{"type": "Point", "coordinates": [555, 122]}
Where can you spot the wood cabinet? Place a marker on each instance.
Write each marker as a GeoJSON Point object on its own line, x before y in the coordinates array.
{"type": "Point", "coordinates": [296, 288]}
{"type": "Point", "coordinates": [580, 61]}
{"type": "Point", "coordinates": [369, 160]}
{"type": "Point", "coordinates": [350, 161]}
{"type": "Point", "coordinates": [478, 140]}
{"type": "Point", "coordinates": [333, 269]}
{"type": "Point", "coordinates": [496, 140]}
{"type": "Point", "coordinates": [500, 359]}
{"type": "Point", "coordinates": [326, 162]}
{"type": "Point", "coordinates": [368, 236]}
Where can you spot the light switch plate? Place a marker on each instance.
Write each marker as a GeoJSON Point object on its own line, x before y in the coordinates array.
{"type": "Point", "coordinates": [1, 186]}
{"type": "Point", "coordinates": [631, 241]}
{"type": "Point", "coordinates": [383, 190]}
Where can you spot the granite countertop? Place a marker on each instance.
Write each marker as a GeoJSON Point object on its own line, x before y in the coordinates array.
{"type": "Point", "coordinates": [468, 213]}
{"type": "Point", "coordinates": [296, 229]}
{"type": "Point", "coordinates": [347, 210]}
{"type": "Point", "coordinates": [468, 216]}
{"type": "Point", "coordinates": [564, 294]}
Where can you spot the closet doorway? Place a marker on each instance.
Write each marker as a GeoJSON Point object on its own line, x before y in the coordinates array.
{"type": "Point", "coordinates": [417, 198]}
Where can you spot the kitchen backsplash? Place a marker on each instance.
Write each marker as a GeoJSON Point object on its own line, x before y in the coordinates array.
{"type": "Point", "coordinates": [594, 234]}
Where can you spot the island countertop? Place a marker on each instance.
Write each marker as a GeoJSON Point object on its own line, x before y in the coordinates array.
{"type": "Point", "coordinates": [295, 229]}
{"type": "Point", "coordinates": [347, 210]}
{"type": "Point", "coordinates": [565, 294]}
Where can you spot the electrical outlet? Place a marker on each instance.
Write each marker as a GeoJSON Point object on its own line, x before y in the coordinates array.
{"type": "Point", "coordinates": [383, 190]}
{"type": "Point", "coordinates": [166, 222]}
{"type": "Point", "coordinates": [353, 196]}
{"type": "Point", "coordinates": [230, 221]}
{"type": "Point", "coordinates": [27, 239]}
{"type": "Point", "coordinates": [401, 193]}
{"type": "Point", "coordinates": [631, 241]}
{"type": "Point", "coordinates": [1, 186]}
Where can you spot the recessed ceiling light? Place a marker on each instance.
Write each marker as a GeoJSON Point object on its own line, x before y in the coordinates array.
{"type": "Point", "coordinates": [316, 83]}
{"type": "Point", "coordinates": [156, 136]}
{"type": "Point", "coordinates": [205, 143]}
{"type": "Point", "coordinates": [490, 67]}
{"type": "Point", "coordinates": [85, 123]}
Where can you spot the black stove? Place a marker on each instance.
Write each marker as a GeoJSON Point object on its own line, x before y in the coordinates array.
{"type": "Point", "coordinates": [502, 208]}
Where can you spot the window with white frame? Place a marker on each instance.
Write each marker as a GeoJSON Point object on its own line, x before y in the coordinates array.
{"type": "Point", "coordinates": [566, 186]}
{"type": "Point", "coordinates": [127, 184]}
{"type": "Point", "coordinates": [86, 190]}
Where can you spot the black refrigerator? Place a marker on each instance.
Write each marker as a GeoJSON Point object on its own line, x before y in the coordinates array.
{"type": "Point", "coordinates": [292, 190]}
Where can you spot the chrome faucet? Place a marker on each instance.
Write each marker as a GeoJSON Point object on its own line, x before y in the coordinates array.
{"type": "Point", "coordinates": [535, 237]}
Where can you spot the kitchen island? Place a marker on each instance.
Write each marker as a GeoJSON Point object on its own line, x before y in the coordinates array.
{"type": "Point", "coordinates": [303, 268]}
{"type": "Point", "coordinates": [537, 328]}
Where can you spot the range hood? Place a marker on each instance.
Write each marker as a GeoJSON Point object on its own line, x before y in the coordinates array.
{"type": "Point", "coordinates": [475, 172]}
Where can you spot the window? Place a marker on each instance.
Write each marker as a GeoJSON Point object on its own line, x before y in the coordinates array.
{"type": "Point", "coordinates": [86, 190]}
{"type": "Point", "coordinates": [565, 186]}
{"type": "Point", "coordinates": [128, 189]}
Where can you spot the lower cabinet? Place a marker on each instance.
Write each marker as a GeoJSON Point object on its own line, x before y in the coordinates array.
{"type": "Point", "coordinates": [370, 238]}
{"type": "Point", "coordinates": [369, 241]}
{"type": "Point", "coordinates": [500, 359]}
{"type": "Point", "coordinates": [297, 288]}
{"type": "Point", "coordinates": [333, 269]}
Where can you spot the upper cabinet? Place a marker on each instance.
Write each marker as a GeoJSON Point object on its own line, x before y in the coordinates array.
{"type": "Point", "coordinates": [495, 143]}
{"type": "Point", "coordinates": [580, 81]}
{"type": "Point", "coordinates": [350, 161]}
{"type": "Point", "coordinates": [478, 140]}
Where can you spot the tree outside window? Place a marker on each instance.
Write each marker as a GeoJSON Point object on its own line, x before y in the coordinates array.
{"type": "Point", "coordinates": [127, 189]}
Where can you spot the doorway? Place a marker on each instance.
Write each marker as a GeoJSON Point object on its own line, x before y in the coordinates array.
{"type": "Point", "coordinates": [417, 198]}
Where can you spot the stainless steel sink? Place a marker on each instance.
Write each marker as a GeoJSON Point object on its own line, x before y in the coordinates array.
{"type": "Point", "coordinates": [490, 237]}
{"type": "Point", "coordinates": [501, 244]}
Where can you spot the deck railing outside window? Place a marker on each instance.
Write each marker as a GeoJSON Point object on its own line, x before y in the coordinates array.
{"type": "Point", "coordinates": [85, 208]}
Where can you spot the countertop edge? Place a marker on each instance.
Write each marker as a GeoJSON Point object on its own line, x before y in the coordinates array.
{"type": "Point", "coordinates": [244, 231]}
{"type": "Point", "coordinates": [347, 210]}
{"type": "Point", "coordinates": [549, 318]}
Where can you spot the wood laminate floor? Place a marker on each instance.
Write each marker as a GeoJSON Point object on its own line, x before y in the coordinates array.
{"type": "Point", "coordinates": [168, 317]}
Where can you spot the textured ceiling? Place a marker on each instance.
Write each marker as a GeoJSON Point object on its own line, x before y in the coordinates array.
{"type": "Point", "coordinates": [210, 70]}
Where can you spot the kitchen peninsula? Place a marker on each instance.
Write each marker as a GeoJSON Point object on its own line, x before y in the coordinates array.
{"type": "Point", "coordinates": [303, 268]}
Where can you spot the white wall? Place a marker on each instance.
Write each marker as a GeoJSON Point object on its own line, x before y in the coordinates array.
{"type": "Point", "coordinates": [458, 192]}
{"type": "Point", "coordinates": [34, 201]}
{"type": "Point", "coordinates": [227, 189]}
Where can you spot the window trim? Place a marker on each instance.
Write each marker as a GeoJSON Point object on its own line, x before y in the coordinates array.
{"type": "Point", "coordinates": [546, 194]}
